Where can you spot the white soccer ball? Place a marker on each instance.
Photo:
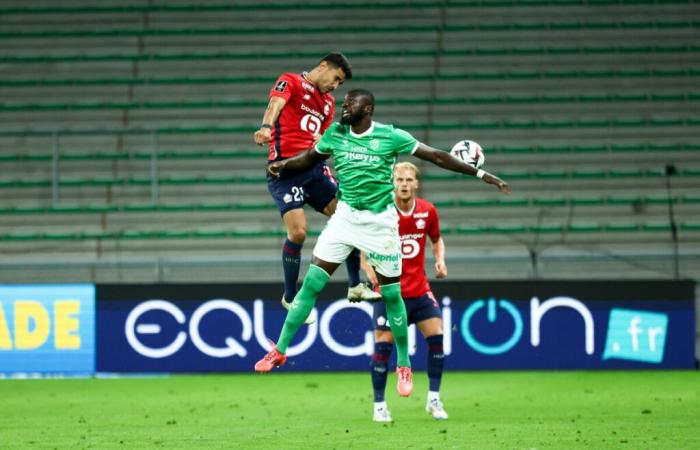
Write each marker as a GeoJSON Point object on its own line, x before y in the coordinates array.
{"type": "Point", "coordinates": [470, 152]}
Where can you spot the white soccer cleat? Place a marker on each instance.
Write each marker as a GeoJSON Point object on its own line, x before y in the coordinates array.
{"type": "Point", "coordinates": [286, 305]}
{"type": "Point", "coordinates": [363, 292]}
{"type": "Point", "coordinates": [382, 414]}
{"type": "Point", "coordinates": [435, 409]}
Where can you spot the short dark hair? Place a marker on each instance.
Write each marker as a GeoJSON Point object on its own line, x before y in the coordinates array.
{"type": "Point", "coordinates": [339, 60]}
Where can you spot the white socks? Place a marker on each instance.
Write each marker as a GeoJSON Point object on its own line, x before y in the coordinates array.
{"type": "Point", "coordinates": [433, 396]}
{"type": "Point", "coordinates": [380, 405]}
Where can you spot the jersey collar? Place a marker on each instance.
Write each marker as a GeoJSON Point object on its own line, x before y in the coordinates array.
{"type": "Point", "coordinates": [408, 214]}
{"type": "Point", "coordinates": [363, 134]}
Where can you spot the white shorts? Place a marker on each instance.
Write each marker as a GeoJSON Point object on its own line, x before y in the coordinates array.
{"type": "Point", "coordinates": [374, 234]}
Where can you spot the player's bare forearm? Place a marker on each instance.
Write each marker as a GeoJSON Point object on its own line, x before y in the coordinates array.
{"type": "Point", "coordinates": [274, 108]}
{"type": "Point", "coordinates": [439, 255]}
{"type": "Point", "coordinates": [301, 161]}
{"type": "Point", "coordinates": [449, 162]}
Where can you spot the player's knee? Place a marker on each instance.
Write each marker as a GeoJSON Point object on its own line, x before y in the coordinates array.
{"type": "Point", "coordinates": [431, 327]}
{"type": "Point", "coordinates": [383, 336]}
{"type": "Point", "coordinates": [297, 234]}
{"type": "Point", "coordinates": [391, 293]}
{"type": "Point", "coordinates": [330, 207]}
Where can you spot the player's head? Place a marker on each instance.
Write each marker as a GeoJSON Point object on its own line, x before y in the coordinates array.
{"type": "Point", "coordinates": [357, 106]}
{"type": "Point", "coordinates": [406, 176]}
{"type": "Point", "coordinates": [332, 71]}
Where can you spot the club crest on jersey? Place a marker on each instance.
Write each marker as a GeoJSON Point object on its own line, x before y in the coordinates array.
{"type": "Point", "coordinates": [287, 198]}
{"type": "Point", "coordinates": [281, 86]}
{"type": "Point", "coordinates": [374, 144]}
{"type": "Point", "coordinates": [420, 224]}
{"type": "Point", "coordinates": [307, 96]}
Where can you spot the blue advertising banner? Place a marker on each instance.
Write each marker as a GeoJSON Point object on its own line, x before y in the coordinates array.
{"type": "Point", "coordinates": [489, 325]}
{"type": "Point", "coordinates": [47, 328]}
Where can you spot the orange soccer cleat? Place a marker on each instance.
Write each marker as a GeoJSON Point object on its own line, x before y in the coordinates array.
{"type": "Point", "coordinates": [273, 359]}
{"type": "Point", "coordinates": [405, 381]}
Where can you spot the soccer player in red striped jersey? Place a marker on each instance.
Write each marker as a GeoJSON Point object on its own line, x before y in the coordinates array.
{"type": "Point", "coordinates": [300, 109]}
{"type": "Point", "coordinates": [418, 220]}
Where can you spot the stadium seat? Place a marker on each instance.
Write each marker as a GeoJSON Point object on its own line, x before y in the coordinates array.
{"type": "Point", "coordinates": [580, 105]}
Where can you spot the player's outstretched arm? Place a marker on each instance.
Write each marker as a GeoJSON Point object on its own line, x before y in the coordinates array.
{"type": "Point", "coordinates": [303, 160]}
{"type": "Point", "coordinates": [446, 161]}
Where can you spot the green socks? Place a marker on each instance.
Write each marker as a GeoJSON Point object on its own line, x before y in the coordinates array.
{"type": "Point", "coordinates": [398, 321]}
{"type": "Point", "coordinates": [314, 281]}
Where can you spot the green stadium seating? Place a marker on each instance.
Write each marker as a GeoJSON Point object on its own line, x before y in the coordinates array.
{"type": "Point", "coordinates": [579, 105]}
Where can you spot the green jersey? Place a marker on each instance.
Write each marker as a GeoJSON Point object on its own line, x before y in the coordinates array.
{"type": "Point", "coordinates": [365, 162]}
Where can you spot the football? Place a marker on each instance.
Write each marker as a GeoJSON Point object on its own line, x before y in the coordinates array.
{"type": "Point", "coordinates": [470, 152]}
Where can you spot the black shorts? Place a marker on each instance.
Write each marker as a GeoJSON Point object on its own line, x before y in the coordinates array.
{"type": "Point", "coordinates": [315, 186]}
{"type": "Point", "coordinates": [418, 309]}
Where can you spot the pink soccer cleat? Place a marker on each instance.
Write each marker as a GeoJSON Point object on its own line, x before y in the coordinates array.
{"type": "Point", "coordinates": [405, 382]}
{"type": "Point", "coordinates": [273, 359]}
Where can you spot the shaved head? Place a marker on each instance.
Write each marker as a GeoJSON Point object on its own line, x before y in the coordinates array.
{"type": "Point", "coordinates": [365, 96]}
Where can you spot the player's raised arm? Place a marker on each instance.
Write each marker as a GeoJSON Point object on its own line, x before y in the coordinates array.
{"type": "Point", "coordinates": [303, 160]}
{"type": "Point", "coordinates": [272, 113]}
{"type": "Point", "coordinates": [446, 161]}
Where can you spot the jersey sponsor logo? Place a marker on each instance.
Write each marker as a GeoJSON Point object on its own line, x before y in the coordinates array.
{"type": "Point", "coordinates": [381, 258]}
{"type": "Point", "coordinates": [409, 248]}
{"type": "Point", "coordinates": [311, 124]}
{"type": "Point", "coordinates": [312, 111]}
{"type": "Point", "coordinates": [412, 236]}
{"type": "Point", "coordinates": [327, 108]}
{"type": "Point", "coordinates": [308, 87]}
{"type": "Point", "coordinates": [364, 157]}
{"type": "Point", "coordinates": [420, 224]}
{"type": "Point", "coordinates": [420, 215]}
{"type": "Point", "coordinates": [281, 86]}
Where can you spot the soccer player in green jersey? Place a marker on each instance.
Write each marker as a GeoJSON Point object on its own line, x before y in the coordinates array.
{"type": "Point", "coordinates": [364, 153]}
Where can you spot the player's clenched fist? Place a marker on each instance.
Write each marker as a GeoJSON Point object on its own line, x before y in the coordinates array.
{"type": "Point", "coordinates": [263, 136]}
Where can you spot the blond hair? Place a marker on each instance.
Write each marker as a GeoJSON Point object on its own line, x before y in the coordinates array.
{"type": "Point", "coordinates": [409, 166]}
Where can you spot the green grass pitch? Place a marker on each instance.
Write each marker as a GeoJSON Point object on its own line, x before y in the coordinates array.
{"type": "Point", "coordinates": [498, 410]}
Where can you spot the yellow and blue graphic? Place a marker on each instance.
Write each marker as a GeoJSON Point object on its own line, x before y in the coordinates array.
{"type": "Point", "coordinates": [47, 328]}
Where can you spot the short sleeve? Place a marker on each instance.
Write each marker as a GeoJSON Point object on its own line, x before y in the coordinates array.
{"type": "Point", "coordinates": [326, 143]}
{"type": "Point", "coordinates": [284, 87]}
{"type": "Point", "coordinates": [403, 142]}
{"type": "Point", "coordinates": [434, 229]}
